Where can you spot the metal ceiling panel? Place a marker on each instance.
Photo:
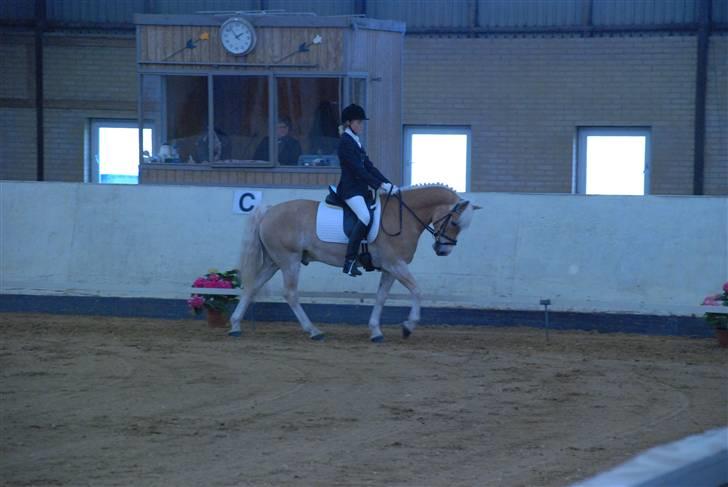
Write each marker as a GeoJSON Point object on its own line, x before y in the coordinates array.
{"type": "Point", "coordinates": [641, 12]}
{"type": "Point", "coordinates": [720, 11]}
{"type": "Point", "coordinates": [420, 14]}
{"type": "Point", "coordinates": [71, 11]}
{"type": "Point", "coordinates": [319, 7]}
{"type": "Point", "coordinates": [17, 10]}
{"type": "Point", "coordinates": [193, 6]}
{"type": "Point", "coordinates": [529, 13]}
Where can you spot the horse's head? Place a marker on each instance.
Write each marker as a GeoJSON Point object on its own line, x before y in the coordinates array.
{"type": "Point", "coordinates": [448, 223]}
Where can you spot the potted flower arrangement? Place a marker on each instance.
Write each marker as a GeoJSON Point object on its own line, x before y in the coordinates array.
{"type": "Point", "coordinates": [719, 321]}
{"type": "Point", "coordinates": [216, 305]}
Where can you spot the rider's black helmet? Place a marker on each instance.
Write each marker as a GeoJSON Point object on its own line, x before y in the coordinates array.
{"type": "Point", "coordinates": [353, 112]}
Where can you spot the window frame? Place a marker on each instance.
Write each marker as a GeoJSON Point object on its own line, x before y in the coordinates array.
{"type": "Point", "coordinates": [580, 163]}
{"type": "Point", "coordinates": [345, 92]}
{"type": "Point", "coordinates": [343, 81]}
{"type": "Point", "coordinates": [92, 173]}
{"type": "Point", "coordinates": [410, 130]}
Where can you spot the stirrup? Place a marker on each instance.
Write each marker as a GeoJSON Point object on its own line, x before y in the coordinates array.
{"type": "Point", "coordinates": [351, 268]}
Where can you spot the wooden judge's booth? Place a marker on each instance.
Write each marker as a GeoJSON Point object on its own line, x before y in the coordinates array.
{"type": "Point", "coordinates": [256, 98]}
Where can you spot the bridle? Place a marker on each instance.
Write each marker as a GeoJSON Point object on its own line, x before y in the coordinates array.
{"type": "Point", "coordinates": [437, 228]}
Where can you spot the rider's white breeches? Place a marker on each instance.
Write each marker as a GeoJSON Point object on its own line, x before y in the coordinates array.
{"type": "Point", "coordinates": [359, 207]}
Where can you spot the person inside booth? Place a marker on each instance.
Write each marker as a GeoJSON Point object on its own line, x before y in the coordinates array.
{"type": "Point", "coordinates": [289, 149]}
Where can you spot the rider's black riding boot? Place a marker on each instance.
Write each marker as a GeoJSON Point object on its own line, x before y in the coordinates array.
{"type": "Point", "coordinates": [357, 234]}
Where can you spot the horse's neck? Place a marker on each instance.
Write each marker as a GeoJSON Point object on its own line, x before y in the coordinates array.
{"type": "Point", "coordinates": [424, 201]}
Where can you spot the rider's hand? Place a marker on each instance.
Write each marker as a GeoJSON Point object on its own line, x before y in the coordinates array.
{"type": "Point", "coordinates": [389, 187]}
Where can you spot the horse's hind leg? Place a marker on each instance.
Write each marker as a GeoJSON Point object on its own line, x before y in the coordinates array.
{"type": "Point", "coordinates": [385, 284]}
{"type": "Point", "coordinates": [290, 284]}
{"type": "Point", "coordinates": [247, 297]}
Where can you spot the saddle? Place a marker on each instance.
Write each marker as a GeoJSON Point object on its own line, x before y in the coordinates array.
{"type": "Point", "coordinates": [335, 220]}
{"type": "Point", "coordinates": [350, 217]}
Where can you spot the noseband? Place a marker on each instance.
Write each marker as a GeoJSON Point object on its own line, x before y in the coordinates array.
{"type": "Point", "coordinates": [443, 222]}
{"type": "Point", "coordinates": [440, 233]}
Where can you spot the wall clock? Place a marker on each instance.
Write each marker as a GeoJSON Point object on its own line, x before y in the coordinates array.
{"type": "Point", "coordinates": [237, 36]}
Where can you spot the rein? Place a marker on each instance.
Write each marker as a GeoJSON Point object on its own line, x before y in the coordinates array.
{"type": "Point", "coordinates": [438, 234]}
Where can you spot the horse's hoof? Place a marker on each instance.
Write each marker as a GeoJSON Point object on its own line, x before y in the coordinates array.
{"type": "Point", "coordinates": [319, 338]}
{"type": "Point", "coordinates": [235, 334]}
{"type": "Point", "coordinates": [377, 339]}
{"type": "Point", "coordinates": [406, 332]}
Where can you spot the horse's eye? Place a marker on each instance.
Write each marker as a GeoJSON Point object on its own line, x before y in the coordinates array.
{"type": "Point", "coordinates": [454, 224]}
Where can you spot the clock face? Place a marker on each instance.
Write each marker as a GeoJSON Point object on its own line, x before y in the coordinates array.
{"type": "Point", "coordinates": [237, 36]}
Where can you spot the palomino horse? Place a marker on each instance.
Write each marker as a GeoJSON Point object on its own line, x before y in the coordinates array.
{"type": "Point", "coordinates": [284, 236]}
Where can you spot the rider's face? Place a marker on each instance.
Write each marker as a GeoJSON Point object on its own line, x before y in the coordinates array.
{"type": "Point", "coordinates": [357, 126]}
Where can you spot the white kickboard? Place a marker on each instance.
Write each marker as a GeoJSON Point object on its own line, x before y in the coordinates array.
{"type": "Point", "coordinates": [330, 225]}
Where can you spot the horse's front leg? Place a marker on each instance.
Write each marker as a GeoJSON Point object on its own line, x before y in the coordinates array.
{"type": "Point", "coordinates": [402, 274]}
{"type": "Point", "coordinates": [385, 284]}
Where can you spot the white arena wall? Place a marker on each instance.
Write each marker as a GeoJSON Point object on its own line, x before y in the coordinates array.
{"type": "Point", "coordinates": [644, 255]}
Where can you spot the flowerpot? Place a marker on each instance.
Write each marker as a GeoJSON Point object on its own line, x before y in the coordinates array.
{"type": "Point", "coordinates": [216, 319]}
{"type": "Point", "coordinates": [722, 337]}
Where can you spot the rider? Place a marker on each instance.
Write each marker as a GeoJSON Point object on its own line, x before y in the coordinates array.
{"type": "Point", "coordinates": [358, 174]}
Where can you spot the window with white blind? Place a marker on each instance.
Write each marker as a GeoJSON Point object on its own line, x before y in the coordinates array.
{"type": "Point", "coordinates": [438, 155]}
{"type": "Point", "coordinates": [612, 161]}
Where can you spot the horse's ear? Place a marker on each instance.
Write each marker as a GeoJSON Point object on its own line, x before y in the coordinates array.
{"type": "Point", "coordinates": [464, 204]}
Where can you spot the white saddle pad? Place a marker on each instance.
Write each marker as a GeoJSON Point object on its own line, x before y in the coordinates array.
{"type": "Point", "coordinates": [330, 223]}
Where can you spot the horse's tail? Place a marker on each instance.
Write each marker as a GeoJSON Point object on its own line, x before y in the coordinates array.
{"type": "Point", "coordinates": [254, 255]}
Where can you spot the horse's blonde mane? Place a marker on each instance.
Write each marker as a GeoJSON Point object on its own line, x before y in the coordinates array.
{"type": "Point", "coordinates": [428, 185]}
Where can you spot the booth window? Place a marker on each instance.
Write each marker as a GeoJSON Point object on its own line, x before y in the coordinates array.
{"type": "Point", "coordinates": [307, 122]}
{"type": "Point", "coordinates": [186, 118]}
{"type": "Point", "coordinates": [294, 126]}
{"type": "Point", "coordinates": [241, 117]}
{"type": "Point", "coordinates": [358, 92]}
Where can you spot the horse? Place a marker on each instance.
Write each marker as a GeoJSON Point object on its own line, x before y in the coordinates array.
{"type": "Point", "coordinates": [283, 236]}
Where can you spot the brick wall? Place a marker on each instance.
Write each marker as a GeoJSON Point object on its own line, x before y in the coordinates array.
{"type": "Point", "coordinates": [716, 118]}
{"type": "Point", "coordinates": [84, 78]}
{"type": "Point", "coordinates": [523, 98]}
{"type": "Point", "coordinates": [17, 121]}
{"type": "Point", "coordinates": [17, 144]}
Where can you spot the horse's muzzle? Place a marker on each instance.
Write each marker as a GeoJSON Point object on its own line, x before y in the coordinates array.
{"type": "Point", "coordinates": [441, 250]}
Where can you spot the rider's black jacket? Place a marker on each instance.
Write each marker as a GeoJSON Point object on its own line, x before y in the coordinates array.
{"type": "Point", "coordinates": [358, 173]}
